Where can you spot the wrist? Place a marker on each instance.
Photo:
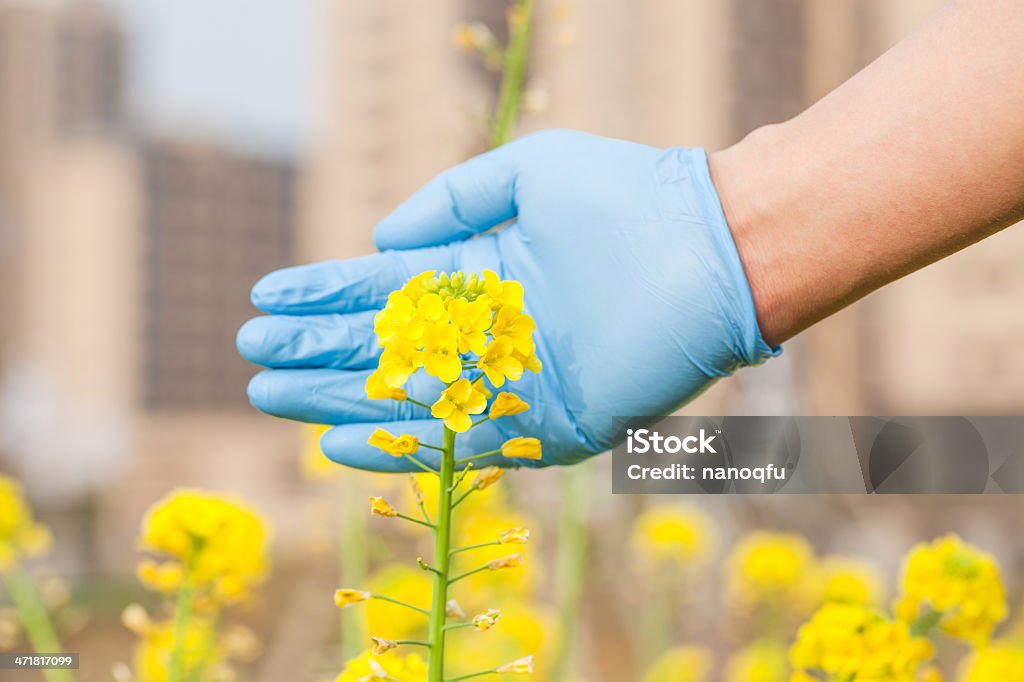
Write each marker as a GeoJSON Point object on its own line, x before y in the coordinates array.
{"type": "Point", "coordinates": [749, 207]}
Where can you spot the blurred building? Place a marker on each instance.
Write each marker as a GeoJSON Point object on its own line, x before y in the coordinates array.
{"type": "Point", "coordinates": [215, 221]}
{"type": "Point", "coordinates": [125, 266]}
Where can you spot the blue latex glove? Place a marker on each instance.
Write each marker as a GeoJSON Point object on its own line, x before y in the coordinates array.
{"type": "Point", "coordinates": [629, 270]}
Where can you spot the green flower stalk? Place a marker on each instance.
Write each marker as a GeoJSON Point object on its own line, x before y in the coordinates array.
{"type": "Point", "coordinates": [21, 537]}
{"type": "Point", "coordinates": [465, 331]}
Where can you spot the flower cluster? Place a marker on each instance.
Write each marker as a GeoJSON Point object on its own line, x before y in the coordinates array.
{"type": "Point", "coordinates": [853, 642]}
{"type": "Point", "coordinates": [446, 323]}
{"type": "Point", "coordinates": [955, 586]}
{"type": "Point", "coordinates": [206, 653]}
{"type": "Point", "coordinates": [471, 333]}
{"type": "Point", "coordinates": [671, 534]}
{"type": "Point", "coordinates": [210, 543]}
{"type": "Point", "coordinates": [766, 568]}
{"type": "Point", "coordinates": [1001, 662]}
{"type": "Point", "coordinates": [20, 535]}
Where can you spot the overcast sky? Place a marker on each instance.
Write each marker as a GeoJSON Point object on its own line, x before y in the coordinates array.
{"type": "Point", "coordinates": [235, 69]}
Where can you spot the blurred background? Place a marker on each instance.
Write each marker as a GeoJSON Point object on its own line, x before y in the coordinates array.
{"type": "Point", "coordinates": [157, 157]}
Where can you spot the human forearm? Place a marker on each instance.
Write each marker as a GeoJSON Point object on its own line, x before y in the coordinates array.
{"type": "Point", "coordinates": [916, 157]}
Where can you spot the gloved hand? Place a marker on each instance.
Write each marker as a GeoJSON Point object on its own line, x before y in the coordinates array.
{"type": "Point", "coordinates": [628, 268]}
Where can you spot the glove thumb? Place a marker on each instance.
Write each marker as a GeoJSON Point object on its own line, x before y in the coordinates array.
{"type": "Point", "coordinates": [462, 201]}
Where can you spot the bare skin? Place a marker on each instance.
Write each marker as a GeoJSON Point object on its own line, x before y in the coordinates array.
{"type": "Point", "coordinates": [916, 157]}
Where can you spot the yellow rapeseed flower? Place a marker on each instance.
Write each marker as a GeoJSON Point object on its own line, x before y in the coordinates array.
{"type": "Point", "coordinates": [498, 361]}
{"type": "Point", "coordinates": [472, 319]}
{"type": "Point", "coordinates": [681, 664]}
{"type": "Point", "coordinates": [418, 286]}
{"type": "Point", "coordinates": [760, 662]}
{"type": "Point", "coordinates": [398, 362]}
{"type": "Point", "coordinates": [521, 447]}
{"type": "Point", "coordinates": [503, 294]}
{"type": "Point", "coordinates": [377, 388]}
{"type": "Point", "coordinates": [441, 352]}
{"type": "Point", "coordinates": [853, 642]}
{"type": "Point", "coordinates": [487, 620]}
{"type": "Point", "coordinates": [457, 403]}
{"type": "Point", "coordinates": [506, 405]}
{"type": "Point", "coordinates": [404, 583]}
{"type": "Point", "coordinates": [957, 581]}
{"type": "Point", "coordinates": [487, 477]}
{"type": "Point", "coordinates": [769, 567]}
{"type": "Point", "coordinates": [366, 668]}
{"type": "Point", "coordinates": [203, 655]}
{"type": "Point", "coordinates": [521, 666]}
{"type": "Point", "coordinates": [345, 597]}
{"type": "Point", "coordinates": [20, 534]}
{"type": "Point", "coordinates": [671, 533]}
{"type": "Point", "coordinates": [380, 507]}
{"type": "Point", "coordinates": [218, 542]}
{"type": "Point", "coordinates": [379, 645]}
{"type": "Point", "coordinates": [517, 327]}
{"type": "Point", "coordinates": [394, 320]}
{"type": "Point", "coordinates": [515, 536]}
{"type": "Point", "coordinates": [396, 446]}
{"type": "Point", "coordinates": [510, 561]}
{"type": "Point", "coordinates": [846, 580]}
{"type": "Point", "coordinates": [1001, 662]}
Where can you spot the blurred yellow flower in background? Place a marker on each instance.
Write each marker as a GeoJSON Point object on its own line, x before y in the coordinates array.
{"type": "Point", "coordinates": [1001, 662]}
{"type": "Point", "coordinates": [853, 642]}
{"type": "Point", "coordinates": [954, 584]}
{"type": "Point", "coordinates": [760, 662]}
{"type": "Point", "coordinates": [406, 584]}
{"type": "Point", "coordinates": [367, 667]}
{"type": "Point", "coordinates": [768, 567]}
{"type": "Point", "coordinates": [20, 534]}
{"type": "Point", "coordinates": [314, 463]}
{"type": "Point", "coordinates": [681, 664]}
{"type": "Point", "coordinates": [671, 533]}
{"type": "Point", "coordinates": [203, 656]}
{"type": "Point", "coordinates": [848, 580]}
{"type": "Point", "coordinates": [215, 542]}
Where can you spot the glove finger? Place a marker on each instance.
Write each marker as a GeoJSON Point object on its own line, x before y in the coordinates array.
{"type": "Point", "coordinates": [334, 396]}
{"type": "Point", "coordinates": [344, 286]}
{"type": "Point", "coordinates": [310, 341]}
{"type": "Point", "coordinates": [346, 444]}
{"type": "Point", "coordinates": [462, 201]}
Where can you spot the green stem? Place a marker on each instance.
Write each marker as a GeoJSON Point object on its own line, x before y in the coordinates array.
{"type": "Point", "coordinates": [468, 573]}
{"type": "Point", "coordinates": [482, 544]}
{"type": "Point", "coordinates": [182, 616]}
{"type": "Point", "coordinates": [489, 453]}
{"type": "Point", "coordinates": [353, 549]}
{"type": "Point", "coordinates": [420, 464]}
{"type": "Point", "coordinates": [412, 642]}
{"type": "Point", "coordinates": [511, 95]}
{"type": "Point", "coordinates": [34, 618]}
{"type": "Point", "coordinates": [401, 603]}
{"type": "Point", "coordinates": [442, 560]}
{"type": "Point", "coordinates": [571, 565]}
{"type": "Point", "coordinates": [458, 626]}
{"type": "Point", "coordinates": [411, 519]}
{"type": "Point", "coordinates": [471, 675]}
{"type": "Point", "coordinates": [417, 402]}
